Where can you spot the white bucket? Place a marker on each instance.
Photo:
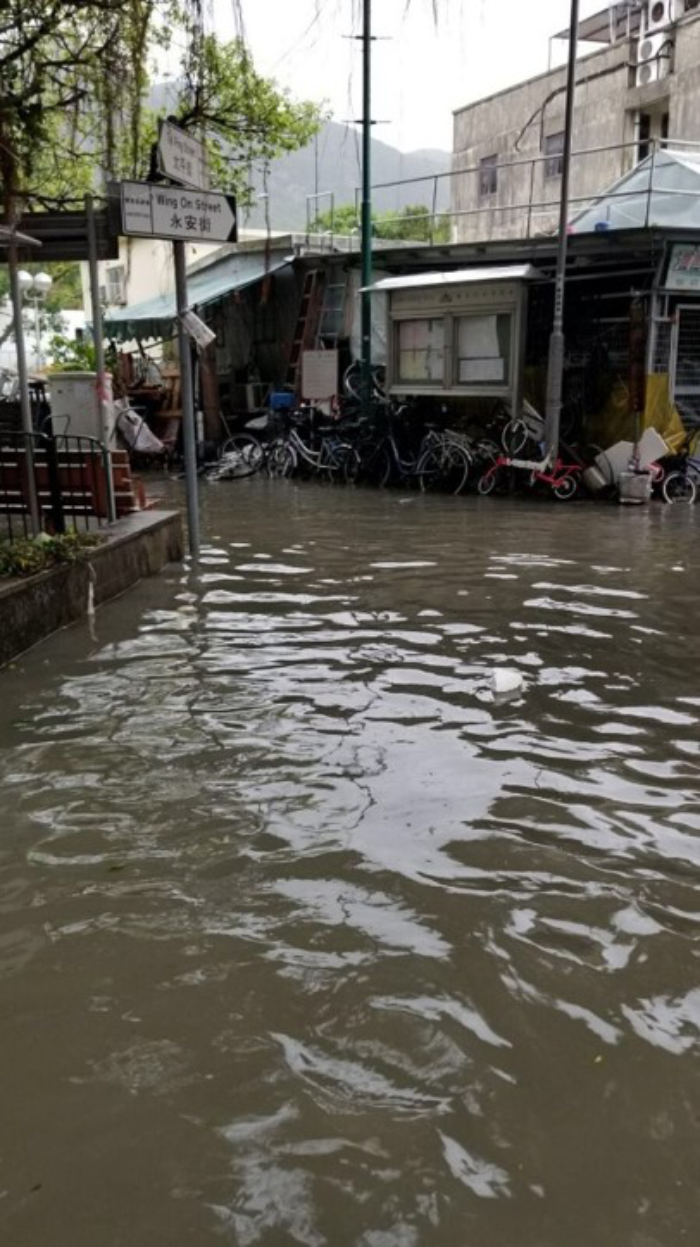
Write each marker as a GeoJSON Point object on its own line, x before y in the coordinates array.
{"type": "Point", "coordinates": [635, 488]}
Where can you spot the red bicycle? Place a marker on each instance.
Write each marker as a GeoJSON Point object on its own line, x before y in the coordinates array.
{"type": "Point", "coordinates": [564, 479]}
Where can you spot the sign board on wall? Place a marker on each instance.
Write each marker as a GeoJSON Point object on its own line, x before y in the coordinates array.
{"type": "Point", "coordinates": [684, 267]}
{"type": "Point", "coordinates": [150, 211]}
{"type": "Point", "coordinates": [319, 375]}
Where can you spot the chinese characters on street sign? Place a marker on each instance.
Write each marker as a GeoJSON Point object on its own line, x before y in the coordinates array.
{"type": "Point", "coordinates": [182, 157]}
{"type": "Point", "coordinates": [174, 212]}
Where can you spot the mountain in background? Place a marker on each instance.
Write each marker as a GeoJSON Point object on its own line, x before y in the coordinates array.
{"type": "Point", "coordinates": [331, 162]}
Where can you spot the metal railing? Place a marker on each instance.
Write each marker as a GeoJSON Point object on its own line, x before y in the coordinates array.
{"type": "Point", "coordinates": [71, 477]}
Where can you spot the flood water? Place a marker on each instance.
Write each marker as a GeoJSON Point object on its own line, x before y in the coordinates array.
{"type": "Point", "coordinates": [307, 939]}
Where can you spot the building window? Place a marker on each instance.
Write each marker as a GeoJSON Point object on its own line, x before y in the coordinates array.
{"type": "Point", "coordinates": [483, 348]}
{"type": "Point", "coordinates": [488, 177]}
{"type": "Point", "coordinates": [665, 126]}
{"type": "Point", "coordinates": [643, 137]}
{"type": "Point", "coordinates": [554, 151]}
{"type": "Point", "coordinates": [421, 351]}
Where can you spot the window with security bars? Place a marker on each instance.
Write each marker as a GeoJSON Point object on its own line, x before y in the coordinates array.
{"type": "Point", "coordinates": [554, 151]}
{"type": "Point", "coordinates": [687, 365]}
{"type": "Point", "coordinates": [662, 346]}
{"type": "Point", "coordinates": [488, 177]}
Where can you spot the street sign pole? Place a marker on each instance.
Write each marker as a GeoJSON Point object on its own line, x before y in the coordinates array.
{"type": "Point", "coordinates": [188, 212]}
{"type": "Point", "coordinates": [98, 339]}
{"type": "Point", "coordinates": [189, 440]}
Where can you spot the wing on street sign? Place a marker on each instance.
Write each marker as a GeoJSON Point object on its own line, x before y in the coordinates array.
{"type": "Point", "coordinates": [178, 213]}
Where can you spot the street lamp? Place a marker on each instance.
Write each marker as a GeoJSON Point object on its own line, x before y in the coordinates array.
{"type": "Point", "coordinates": [35, 287]}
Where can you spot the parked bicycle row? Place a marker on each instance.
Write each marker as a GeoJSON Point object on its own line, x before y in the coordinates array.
{"type": "Point", "coordinates": [396, 447]}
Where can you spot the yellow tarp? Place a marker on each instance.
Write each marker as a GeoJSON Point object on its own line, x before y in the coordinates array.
{"type": "Point", "coordinates": [616, 424]}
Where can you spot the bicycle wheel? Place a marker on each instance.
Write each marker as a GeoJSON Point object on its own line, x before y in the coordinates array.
{"type": "Point", "coordinates": [444, 467]}
{"type": "Point", "coordinates": [679, 487]}
{"type": "Point", "coordinates": [332, 459]}
{"type": "Point", "coordinates": [566, 488]}
{"type": "Point", "coordinates": [352, 381]}
{"type": "Point", "coordinates": [514, 437]}
{"type": "Point", "coordinates": [241, 455]}
{"type": "Point", "coordinates": [351, 467]}
{"type": "Point", "coordinates": [488, 483]}
{"type": "Point", "coordinates": [281, 459]}
{"type": "Point", "coordinates": [374, 466]}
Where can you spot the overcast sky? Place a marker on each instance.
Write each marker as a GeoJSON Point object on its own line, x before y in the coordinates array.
{"type": "Point", "coordinates": [421, 71]}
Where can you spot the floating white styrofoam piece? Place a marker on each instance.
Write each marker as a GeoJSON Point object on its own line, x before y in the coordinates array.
{"type": "Point", "coordinates": [505, 680]}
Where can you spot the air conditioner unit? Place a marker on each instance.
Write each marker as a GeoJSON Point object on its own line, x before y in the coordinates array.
{"type": "Point", "coordinates": [653, 59]}
{"type": "Point", "coordinates": [661, 14]}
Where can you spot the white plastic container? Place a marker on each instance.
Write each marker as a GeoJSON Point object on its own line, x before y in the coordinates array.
{"type": "Point", "coordinates": [75, 407]}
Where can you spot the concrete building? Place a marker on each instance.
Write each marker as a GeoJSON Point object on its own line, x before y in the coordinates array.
{"type": "Point", "coordinates": [637, 93]}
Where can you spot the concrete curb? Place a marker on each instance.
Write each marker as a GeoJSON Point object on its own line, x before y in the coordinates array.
{"type": "Point", "coordinates": [135, 547]}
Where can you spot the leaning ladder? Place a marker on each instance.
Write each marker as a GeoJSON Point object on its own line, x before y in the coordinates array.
{"type": "Point", "coordinates": [306, 330]}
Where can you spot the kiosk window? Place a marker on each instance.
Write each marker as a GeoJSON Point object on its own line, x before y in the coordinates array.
{"type": "Point", "coordinates": [421, 351]}
{"type": "Point", "coordinates": [483, 349]}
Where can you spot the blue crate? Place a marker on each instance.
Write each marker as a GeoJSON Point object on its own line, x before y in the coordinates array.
{"type": "Point", "coordinates": [281, 400]}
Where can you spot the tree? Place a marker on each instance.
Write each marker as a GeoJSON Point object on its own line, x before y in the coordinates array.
{"type": "Point", "coordinates": [71, 75]}
{"type": "Point", "coordinates": [245, 117]}
{"type": "Point", "coordinates": [73, 97]}
{"type": "Point", "coordinates": [414, 223]}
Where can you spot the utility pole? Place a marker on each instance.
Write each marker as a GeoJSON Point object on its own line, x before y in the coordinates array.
{"type": "Point", "coordinates": [366, 219]}
{"type": "Point", "coordinates": [555, 369]}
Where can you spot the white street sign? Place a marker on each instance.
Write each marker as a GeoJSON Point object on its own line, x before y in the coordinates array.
{"type": "Point", "coordinates": [136, 208]}
{"type": "Point", "coordinates": [152, 211]}
{"type": "Point", "coordinates": [182, 157]}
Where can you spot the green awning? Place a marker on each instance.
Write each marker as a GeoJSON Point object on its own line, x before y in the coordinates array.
{"type": "Point", "coordinates": [155, 318]}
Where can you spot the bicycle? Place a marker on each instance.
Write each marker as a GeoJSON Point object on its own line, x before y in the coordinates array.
{"type": "Point", "coordinates": [242, 455]}
{"type": "Point", "coordinates": [331, 457]}
{"type": "Point", "coordinates": [445, 462]}
{"type": "Point", "coordinates": [352, 381]}
{"type": "Point", "coordinates": [681, 485]}
{"type": "Point", "coordinates": [564, 479]}
{"type": "Point", "coordinates": [516, 431]}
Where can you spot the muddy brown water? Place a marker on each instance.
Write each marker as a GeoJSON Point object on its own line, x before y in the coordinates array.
{"type": "Point", "coordinates": [306, 939]}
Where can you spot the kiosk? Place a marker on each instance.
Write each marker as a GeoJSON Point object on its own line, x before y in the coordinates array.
{"type": "Point", "coordinates": [458, 334]}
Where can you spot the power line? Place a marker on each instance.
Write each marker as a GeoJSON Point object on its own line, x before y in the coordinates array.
{"type": "Point", "coordinates": [320, 8]}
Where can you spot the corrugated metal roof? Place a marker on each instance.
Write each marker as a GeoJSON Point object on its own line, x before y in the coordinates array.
{"type": "Point", "coordinates": [461, 276]}
{"type": "Point", "coordinates": [155, 318]}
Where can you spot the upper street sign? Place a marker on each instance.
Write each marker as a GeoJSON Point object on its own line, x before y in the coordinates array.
{"type": "Point", "coordinates": [181, 157]}
{"type": "Point", "coordinates": [154, 211]}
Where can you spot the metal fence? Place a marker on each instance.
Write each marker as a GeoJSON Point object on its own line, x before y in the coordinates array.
{"type": "Point", "coordinates": [527, 202]}
{"type": "Point", "coordinates": [53, 484]}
